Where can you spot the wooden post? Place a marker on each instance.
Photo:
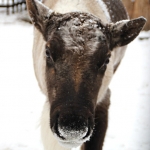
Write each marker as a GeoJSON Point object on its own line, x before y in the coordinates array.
{"type": "Point", "coordinates": [13, 6]}
{"type": "Point", "coordinates": [7, 7]}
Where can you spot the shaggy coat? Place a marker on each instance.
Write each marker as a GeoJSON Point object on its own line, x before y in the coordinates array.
{"type": "Point", "coordinates": [78, 45]}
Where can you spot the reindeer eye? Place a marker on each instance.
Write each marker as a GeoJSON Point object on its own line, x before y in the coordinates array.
{"type": "Point", "coordinates": [103, 67]}
{"type": "Point", "coordinates": [49, 59]}
{"type": "Point", "coordinates": [47, 53]}
{"type": "Point", "coordinates": [107, 61]}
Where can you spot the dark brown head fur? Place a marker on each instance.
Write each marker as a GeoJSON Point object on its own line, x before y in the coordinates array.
{"type": "Point", "coordinates": [76, 66]}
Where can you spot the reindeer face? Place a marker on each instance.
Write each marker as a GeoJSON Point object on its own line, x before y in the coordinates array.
{"type": "Point", "coordinates": [78, 47]}
{"type": "Point", "coordinates": [77, 53]}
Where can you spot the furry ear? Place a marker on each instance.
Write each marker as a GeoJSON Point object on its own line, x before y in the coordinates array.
{"type": "Point", "coordinates": [123, 32]}
{"type": "Point", "coordinates": [38, 13]}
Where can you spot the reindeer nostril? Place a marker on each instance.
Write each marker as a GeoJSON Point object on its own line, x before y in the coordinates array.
{"type": "Point", "coordinates": [106, 61]}
{"type": "Point", "coordinates": [88, 131]}
{"type": "Point", "coordinates": [56, 130]}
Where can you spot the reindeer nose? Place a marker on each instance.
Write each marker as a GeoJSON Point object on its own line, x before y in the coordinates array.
{"type": "Point", "coordinates": [72, 128]}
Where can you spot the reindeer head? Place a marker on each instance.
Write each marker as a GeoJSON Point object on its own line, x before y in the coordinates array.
{"type": "Point", "coordinates": [78, 48]}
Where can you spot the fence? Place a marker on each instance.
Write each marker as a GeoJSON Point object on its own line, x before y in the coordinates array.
{"type": "Point", "coordinates": [13, 5]}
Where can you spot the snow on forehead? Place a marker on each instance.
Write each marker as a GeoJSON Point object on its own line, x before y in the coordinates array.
{"type": "Point", "coordinates": [80, 19]}
{"type": "Point", "coordinates": [82, 29]}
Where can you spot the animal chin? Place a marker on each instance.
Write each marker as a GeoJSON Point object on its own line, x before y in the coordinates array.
{"type": "Point", "coordinates": [71, 144]}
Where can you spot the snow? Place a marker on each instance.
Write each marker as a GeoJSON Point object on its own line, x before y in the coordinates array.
{"type": "Point", "coordinates": [21, 101]}
{"type": "Point", "coordinates": [72, 135]}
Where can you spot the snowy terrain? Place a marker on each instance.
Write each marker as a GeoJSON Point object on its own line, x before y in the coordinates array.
{"type": "Point", "coordinates": [21, 100]}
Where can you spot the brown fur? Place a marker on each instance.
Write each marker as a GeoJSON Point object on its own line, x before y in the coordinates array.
{"type": "Point", "coordinates": [115, 6]}
{"type": "Point", "coordinates": [101, 122]}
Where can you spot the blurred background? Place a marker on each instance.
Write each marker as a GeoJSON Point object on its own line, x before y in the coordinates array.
{"type": "Point", "coordinates": [12, 6]}
{"type": "Point", "coordinates": [138, 8]}
{"type": "Point", "coordinates": [21, 101]}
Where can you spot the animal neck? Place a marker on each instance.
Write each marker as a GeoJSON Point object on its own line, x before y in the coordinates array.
{"type": "Point", "coordinates": [95, 7]}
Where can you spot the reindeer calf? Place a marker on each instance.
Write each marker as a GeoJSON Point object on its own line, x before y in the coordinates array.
{"type": "Point", "coordinates": [78, 45]}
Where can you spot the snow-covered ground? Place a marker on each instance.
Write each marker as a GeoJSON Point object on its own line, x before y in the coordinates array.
{"type": "Point", "coordinates": [21, 100]}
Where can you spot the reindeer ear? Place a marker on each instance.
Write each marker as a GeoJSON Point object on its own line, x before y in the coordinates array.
{"type": "Point", "coordinates": [125, 31]}
{"type": "Point", "coordinates": [39, 14]}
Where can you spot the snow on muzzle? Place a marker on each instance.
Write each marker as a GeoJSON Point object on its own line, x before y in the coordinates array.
{"type": "Point", "coordinates": [72, 129]}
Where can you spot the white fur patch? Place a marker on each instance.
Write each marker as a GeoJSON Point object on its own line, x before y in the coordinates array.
{"type": "Point", "coordinates": [65, 6]}
{"type": "Point", "coordinates": [48, 139]}
{"type": "Point", "coordinates": [104, 8]}
{"type": "Point", "coordinates": [122, 21]}
{"type": "Point", "coordinates": [116, 56]}
{"type": "Point", "coordinates": [106, 80]}
{"type": "Point", "coordinates": [70, 145]}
